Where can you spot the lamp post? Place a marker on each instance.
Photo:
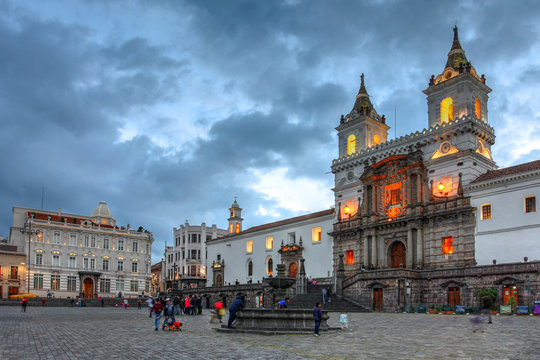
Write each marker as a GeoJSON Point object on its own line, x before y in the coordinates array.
{"type": "Point", "coordinates": [528, 293]}
{"type": "Point", "coordinates": [175, 285]}
{"type": "Point", "coordinates": [27, 229]}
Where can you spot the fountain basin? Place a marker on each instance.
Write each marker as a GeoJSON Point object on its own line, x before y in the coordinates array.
{"type": "Point", "coordinates": [277, 321]}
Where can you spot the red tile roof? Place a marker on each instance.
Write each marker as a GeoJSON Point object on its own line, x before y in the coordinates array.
{"type": "Point", "coordinates": [512, 170]}
{"type": "Point", "coordinates": [281, 222]}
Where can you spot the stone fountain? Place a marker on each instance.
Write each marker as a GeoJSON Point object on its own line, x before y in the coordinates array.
{"type": "Point", "coordinates": [277, 321]}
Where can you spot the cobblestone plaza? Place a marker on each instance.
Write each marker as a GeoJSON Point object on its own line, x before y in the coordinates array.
{"type": "Point", "coordinates": [110, 333]}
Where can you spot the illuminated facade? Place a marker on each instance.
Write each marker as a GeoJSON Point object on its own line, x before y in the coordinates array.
{"type": "Point", "coordinates": [398, 201]}
{"type": "Point", "coordinates": [80, 255]}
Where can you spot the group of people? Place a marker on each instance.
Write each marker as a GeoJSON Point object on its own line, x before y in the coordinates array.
{"type": "Point", "coordinates": [163, 308]}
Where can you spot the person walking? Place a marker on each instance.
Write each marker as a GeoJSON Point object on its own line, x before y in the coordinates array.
{"type": "Point", "coordinates": [237, 305]}
{"type": "Point", "coordinates": [150, 303]}
{"type": "Point", "coordinates": [24, 303]}
{"type": "Point", "coordinates": [156, 309]}
{"type": "Point", "coordinates": [176, 304]}
{"type": "Point", "coordinates": [343, 322]}
{"type": "Point", "coordinates": [317, 317]}
{"type": "Point", "coordinates": [102, 302]}
{"type": "Point", "coordinates": [187, 306]}
{"type": "Point", "coordinates": [139, 303]}
{"type": "Point", "coordinates": [324, 294]}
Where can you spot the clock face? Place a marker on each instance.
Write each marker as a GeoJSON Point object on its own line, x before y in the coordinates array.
{"type": "Point", "coordinates": [350, 175]}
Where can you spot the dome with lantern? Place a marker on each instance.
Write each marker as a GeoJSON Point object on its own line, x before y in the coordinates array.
{"type": "Point", "coordinates": [102, 215]}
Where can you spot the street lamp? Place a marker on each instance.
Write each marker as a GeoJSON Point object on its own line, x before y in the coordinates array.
{"type": "Point", "coordinates": [528, 294]}
{"type": "Point", "coordinates": [174, 276]}
{"type": "Point", "coordinates": [28, 230]}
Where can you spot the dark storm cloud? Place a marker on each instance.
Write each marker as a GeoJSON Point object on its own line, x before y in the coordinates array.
{"type": "Point", "coordinates": [67, 92]}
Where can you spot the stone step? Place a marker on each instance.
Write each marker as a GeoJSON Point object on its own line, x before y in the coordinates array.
{"type": "Point", "coordinates": [308, 301]}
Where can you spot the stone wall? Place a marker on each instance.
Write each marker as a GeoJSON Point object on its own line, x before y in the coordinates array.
{"type": "Point", "coordinates": [431, 286]}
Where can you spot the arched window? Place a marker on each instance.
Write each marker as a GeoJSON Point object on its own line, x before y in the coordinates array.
{"type": "Point", "coordinates": [250, 268]}
{"type": "Point", "coordinates": [376, 139]}
{"type": "Point", "coordinates": [351, 144]}
{"type": "Point", "coordinates": [270, 266]}
{"type": "Point", "coordinates": [230, 228]}
{"type": "Point", "coordinates": [478, 108]}
{"type": "Point", "coordinates": [237, 228]}
{"type": "Point", "coordinates": [447, 110]}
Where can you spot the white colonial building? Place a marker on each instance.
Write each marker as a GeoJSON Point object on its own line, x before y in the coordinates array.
{"type": "Point", "coordinates": [507, 222]}
{"type": "Point", "coordinates": [250, 255]}
{"type": "Point", "coordinates": [79, 255]}
{"type": "Point", "coordinates": [186, 264]}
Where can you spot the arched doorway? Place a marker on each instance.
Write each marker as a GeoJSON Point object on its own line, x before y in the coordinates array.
{"type": "Point", "coordinates": [219, 280]}
{"type": "Point", "coordinates": [397, 255]}
{"type": "Point", "coordinates": [293, 270]}
{"type": "Point", "coordinates": [88, 288]}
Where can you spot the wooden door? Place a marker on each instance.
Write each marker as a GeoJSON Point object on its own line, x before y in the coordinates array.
{"type": "Point", "coordinates": [454, 296]}
{"type": "Point", "coordinates": [508, 292]}
{"type": "Point", "coordinates": [377, 299]}
{"type": "Point", "coordinates": [397, 255]}
{"type": "Point", "coordinates": [293, 270]}
{"type": "Point", "coordinates": [88, 288]}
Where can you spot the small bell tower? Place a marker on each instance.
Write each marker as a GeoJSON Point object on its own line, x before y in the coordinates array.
{"type": "Point", "coordinates": [363, 127]}
{"type": "Point", "coordinates": [457, 91]}
{"type": "Point", "coordinates": [235, 219]}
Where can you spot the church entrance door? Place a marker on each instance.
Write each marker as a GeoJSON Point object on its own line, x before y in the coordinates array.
{"type": "Point", "coordinates": [88, 288]}
{"type": "Point", "coordinates": [508, 292]}
{"type": "Point", "coordinates": [397, 255]}
{"type": "Point", "coordinates": [377, 299]}
{"type": "Point", "coordinates": [454, 296]}
{"type": "Point", "coordinates": [293, 270]}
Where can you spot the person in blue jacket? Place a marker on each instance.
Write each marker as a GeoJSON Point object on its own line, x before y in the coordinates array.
{"type": "Point", "coordinates": [237, 305]}
{"type": "Point", "coordinates": [317, 317]}
{"type": "Point", "coordinates": [283, 303]}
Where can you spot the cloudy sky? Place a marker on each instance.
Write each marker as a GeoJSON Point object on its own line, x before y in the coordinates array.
{"type": "Point", "coordinates": [168, 110]}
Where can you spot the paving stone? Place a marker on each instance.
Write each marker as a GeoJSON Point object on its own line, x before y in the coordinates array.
{"type": "Point", "coordinates": [112, 333]}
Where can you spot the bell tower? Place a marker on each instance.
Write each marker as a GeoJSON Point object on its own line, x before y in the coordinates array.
{"type": "Point", "coordinates": [457, 91]}
{"type": "Point", "coordinates": [235, 220]}
{"type": "Point", "coordinates": [363, 127]}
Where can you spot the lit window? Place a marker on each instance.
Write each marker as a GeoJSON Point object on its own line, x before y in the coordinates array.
{"type": "Point", "coordinates": [249, 246]}
{"type": "Point", "coordinates": [349, 257]}
{"type": "Point", "coordinates": [270, 266]}
{"type": "Point", "coordinates": [230, 228]}
{"type": "Point", "coordinates": [477, 108]}
{"type": "Point", "coordinates": [395, 197]}
{"type": "Point", "coordinates": [316, 234]}
{"type": "Point", "coordinates": [269, 243]}
{"type": "Point", "coordinates": [446, 245]}
{"type": "Point", "coordinates": [447, 110]}
{"type": "Point", "coordinates": [530, 204]}
{"type": "Point", "coordinates": [103, 221]}
{"type": "Point", "coordinates": [39, 236]}
{"type": "Point", "coordinates": [237, 228]}
{"type": "Point", "coordinates": [486, 212]}
{"type": "Point", "coordinates": [55, 282]}
{"type": "Point", "coordinates": [351, 144]}
{"type": "Point", "coordinates": [376, 139]}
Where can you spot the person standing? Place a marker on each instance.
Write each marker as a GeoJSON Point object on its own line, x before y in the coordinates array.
{"type": "Point", "coordinates": [102, 302]}
{"type": "Point", "coordinates": [187, 306]}
{"type": "Point", "coordinates": [156, 309]}
{"type": "Point", "coordinates": [139, 303]}
{"type": "Point", "coordinates": [329, 294]}
{"type": "Point", "coordinates": [71, 301]}
{"type": "Point", "coordinates": [24, 303]}
{"type": "Point", "coordinates": [237, 305]}
{"type": "Point", "coordinates": [176, 303]}
{"type": "Point", "coordinates": [324, 294]}
{"type": "Point", "coordinates": [317, 317]}
{"type": "Point", "coordinates": [343, 322]}
{"type": "Point", "coordinates": [168, 314]}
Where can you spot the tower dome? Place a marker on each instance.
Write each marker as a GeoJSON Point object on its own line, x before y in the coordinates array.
{"type": "Point", "coordinates": [103, 215]}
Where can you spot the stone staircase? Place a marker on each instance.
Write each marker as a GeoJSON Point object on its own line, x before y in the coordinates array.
{"type": "Point", "coordinates": [314, 295]}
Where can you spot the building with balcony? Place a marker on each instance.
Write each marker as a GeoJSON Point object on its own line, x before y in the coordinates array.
{"type": "Point", "coordinates": [12, 269]}
{"type": "Point", "coordinates": [80, 255]}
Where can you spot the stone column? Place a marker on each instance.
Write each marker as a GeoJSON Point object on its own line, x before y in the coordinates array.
{"type": "Point", "coordinates": [373, 259]}
{"type": "Point", "coordinates": [420, 247]}
{"type": "Point", "coordinates": [301, 282]}
{"type": "Point", "coordinates": [340, 276]}
{"type": "Point", "coordinates": [409, 254]}
{"type": "Point", "coordinates": [366, 252]}
{"type": "Point", "coordinates": [381, 256]}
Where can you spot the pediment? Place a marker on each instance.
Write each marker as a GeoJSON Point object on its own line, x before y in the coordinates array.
{"type": "Point", "coordinates": [508, 280]}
